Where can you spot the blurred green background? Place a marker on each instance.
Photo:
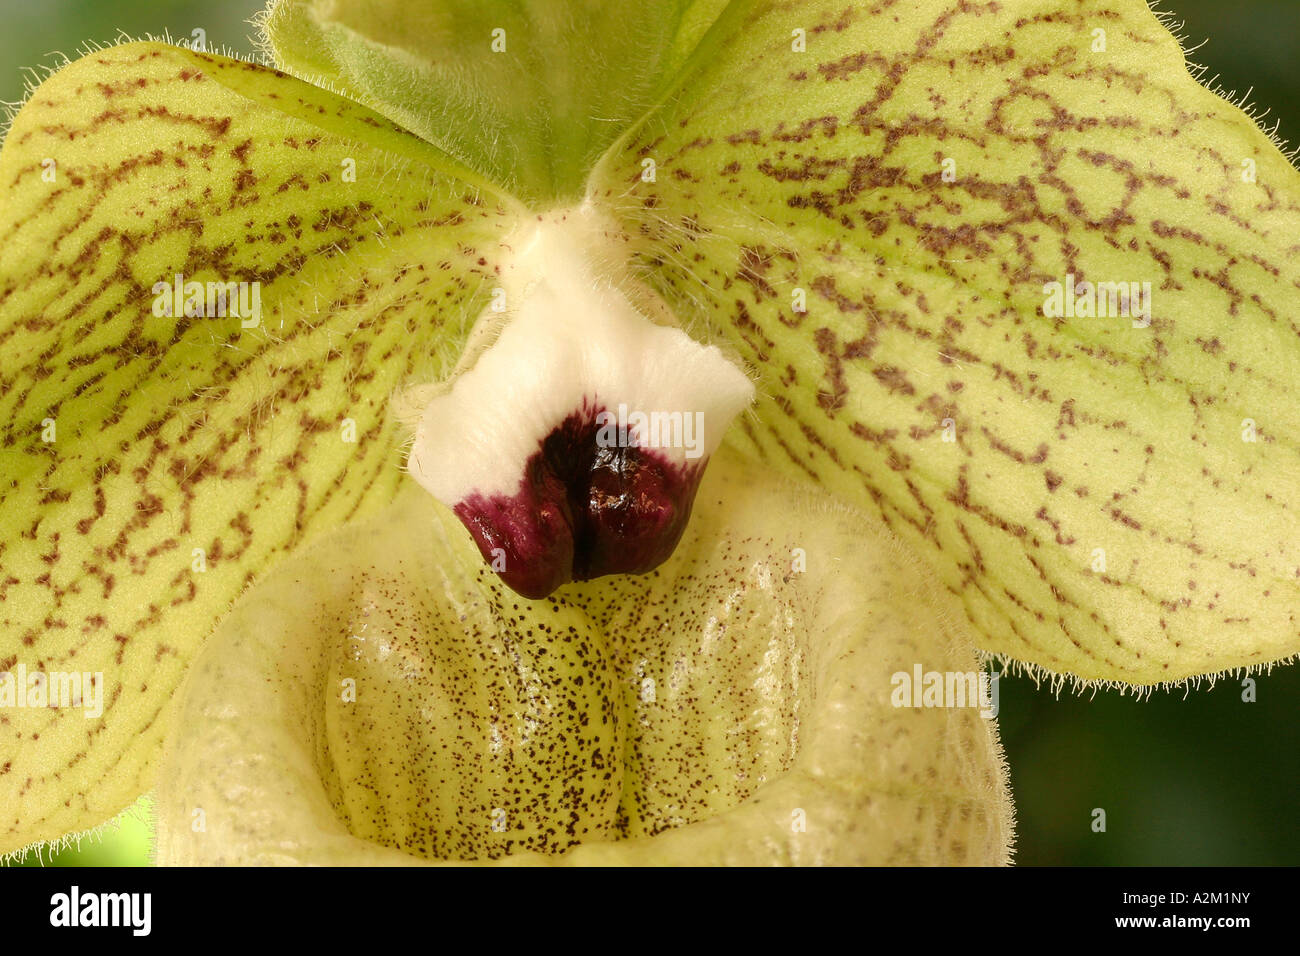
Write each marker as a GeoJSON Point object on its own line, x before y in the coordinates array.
{"type": "Point", "coordinates": [1185, 779]}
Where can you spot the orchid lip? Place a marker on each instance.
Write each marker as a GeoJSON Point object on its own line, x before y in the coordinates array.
{"type": "Point", "coordinates": [377, 700]}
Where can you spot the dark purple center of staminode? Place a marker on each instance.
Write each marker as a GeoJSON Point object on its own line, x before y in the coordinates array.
{"type": "Point", "coordinates": [583, 511]}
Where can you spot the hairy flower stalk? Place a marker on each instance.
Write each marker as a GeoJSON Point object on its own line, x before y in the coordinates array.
{"type": "Point", "coordinates": [574, 446]}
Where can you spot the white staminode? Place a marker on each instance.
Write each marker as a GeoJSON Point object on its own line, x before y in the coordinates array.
{"type": "Point", "coordinates": [570, 337]}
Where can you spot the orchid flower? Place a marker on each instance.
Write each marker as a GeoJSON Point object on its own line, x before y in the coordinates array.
{"type": "Point", "coordinates": [327, 388]}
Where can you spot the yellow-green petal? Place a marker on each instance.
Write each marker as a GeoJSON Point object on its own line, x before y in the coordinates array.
{"type": "Point", "coordinates": [870, 202]}
{"type": "Point", "coordinates": [151, 465]}
{"type": "Point", "coordinates": [382, 699]}
{"type": "Point", "coordinates": [529, 93]}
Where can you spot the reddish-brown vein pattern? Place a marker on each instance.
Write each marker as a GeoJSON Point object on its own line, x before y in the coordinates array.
{"type": "Point", "coordinates": [176, 434]}
{"type": "Point", "coordinates": [1082, 484]}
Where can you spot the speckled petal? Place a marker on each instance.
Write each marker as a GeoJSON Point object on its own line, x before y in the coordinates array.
{"type": "Point", "coordinates": [382, 698]}
{"type": "Point", "coordinates": [872, 201]}
{"type": "Point", "coordinates": [152, 464]}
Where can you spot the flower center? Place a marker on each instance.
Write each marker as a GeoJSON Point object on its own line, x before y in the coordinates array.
{"type": "Point", "coordinates": [573, 445]}
{"type": "Point", "coordinates": [585, 507]}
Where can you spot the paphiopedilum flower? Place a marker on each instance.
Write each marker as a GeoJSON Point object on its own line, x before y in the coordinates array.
{"type": "Point", "coordinates": [1013, 296]}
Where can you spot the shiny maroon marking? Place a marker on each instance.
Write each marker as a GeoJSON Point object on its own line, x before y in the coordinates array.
{"type": "Point", "coordinates": [583, 511]}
